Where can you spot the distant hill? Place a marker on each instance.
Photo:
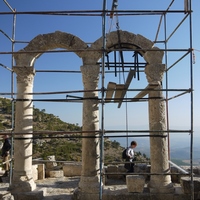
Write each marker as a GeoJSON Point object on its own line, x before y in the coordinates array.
{"type": "Point", "coordinates": [64, 147]}
{"type": "Point", "coordinates": [179, 149]}
{"type": "Point", "coordinates": [5, 114]}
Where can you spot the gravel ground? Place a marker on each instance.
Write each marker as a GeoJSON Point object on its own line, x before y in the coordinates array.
{"type": "Point", "coordinates": [58, 188]}
{"type": "Point", "coordinates": [61, 188]}
{"type": "Point", "coordinates": [55, 188]}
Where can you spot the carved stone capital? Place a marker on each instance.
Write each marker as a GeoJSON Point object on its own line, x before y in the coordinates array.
{"type": "Point", "coordinates": [154, 72]}
{"type": "Point", "coordinates": [90, 75]}
{"type": "Point", "coordinates": [24, 74]}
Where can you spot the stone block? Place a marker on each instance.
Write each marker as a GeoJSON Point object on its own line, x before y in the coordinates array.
{"type": "Point", "coordinates": [121, 170]}
{"type": "Point", "coordinates": [41, 172]}
{"type": "Point", "coordinates": [175, 177]}
{"type": "Point", "coordinates": [154, 56]}
{"type": "Point", "coordinates": [56, 173]}
{"type": "Point", "coordinates": [112, 169]}
{"type": "Point", "coordinates": [105, 178]}
{"type": "Point", "coordinates": [143, 168]}
{"type": "Point", "coordinates": [143, 42]}
{"type": "Point", "coordinates": [186, 184]}
{"type": "Point", "coordinates": [51, 164]}
{"type": "Point", "coordinates": [181, 197]}
{"type": "Point", "coordinates": [5, 195]}
{"type": "Point", "coordinates": [72, 169]}
{"type": "Point", "coordinates": [135, 183]}
{"type": "Point", "coordinates": [196, 170]}
{"type": "Point", "coordinates": [35, 172]}
{"type": "Point", "coordinates": [34, 195]}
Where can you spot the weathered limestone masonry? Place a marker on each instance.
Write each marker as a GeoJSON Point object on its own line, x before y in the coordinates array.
{"type": "Point", "coordinates": [157, 118]}
{"type": "Point", "coordinates": [22, 175]}
{"type": "Point", "coordinates": [157, 122]}
{"type": "Point", "coordinates": [90, 183]}
{"type": "Point", "coordinates": [90, 174]}
{"type": "Point", "coordinates": [90, 177]}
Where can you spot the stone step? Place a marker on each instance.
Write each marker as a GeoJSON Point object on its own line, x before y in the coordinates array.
{"type": "Point", "coordinates": [55, 173]}
{"type": "Point", "coordinates": [4, 179]}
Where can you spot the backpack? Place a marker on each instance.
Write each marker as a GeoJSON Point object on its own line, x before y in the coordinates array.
{"type": "Point", "coordinates": [6, 147]}
{"type": "Point", "coordinates": [124, 156]}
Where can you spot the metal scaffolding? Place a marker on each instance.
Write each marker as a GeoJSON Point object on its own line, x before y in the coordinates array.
{"type": "Point", "coordinates": [111, 67]}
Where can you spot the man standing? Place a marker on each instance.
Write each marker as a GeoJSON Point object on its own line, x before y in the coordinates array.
{"type": "Point", "coordinates": [130, 157]}
{"type": "Point", "coordinates": [6, 154]}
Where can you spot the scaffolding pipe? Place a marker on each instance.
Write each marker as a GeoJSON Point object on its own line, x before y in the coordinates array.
{"type": "Point", "coordinates": [6, 67]}
{"type": "Point", "coordinates": [178, 60]}
{"type": "Point", "coordinates": [166, 74]}
{"type": "Point", "coordinates": [103, 97]}
{"type": "Point", "coordinates": [164, 14]}
{"type": "Point", "coordinates": [6, 35]}
{"type": "Point", "coordinates": [182, 170]}
{"type": "Point", "coordinates": [8, 6]}
{"type": "Point", "coordinates": [105, 13]}
{"type": "Point", "coordinates": [179, 95]}
{"type": "Point", "coordinates": [81, 91]}
{"type": "Point", "coordinates": [161, 174]}
{"type": "Point", "coordinates": [177, 27]}
{"type": "Point", "coordinates": [80, 136]}
{"type": "Point", "coordinates": [80, 50]}
{"type": "Point", "coordinates": [95, 12]}
{"type": "Point", "coordinates": [12, 96]}
{"type": "Point", "coordinates": [63, 71]}
{"type": "Point", "coordinates": [191, 103]}
{"type": "Point", "coordinates": [100, 131]}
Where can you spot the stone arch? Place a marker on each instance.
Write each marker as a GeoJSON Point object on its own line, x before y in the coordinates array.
{"type": "Point", "coordinates": [154, 71]}
{"type": "Point", "coordinates": [131, 41]}
{"type": "Point", "coordinates": [45, 42]}
{"type": "Point", "coordinates": [90, 72]}
{"type": "Point", "coordinates": [25, 73]}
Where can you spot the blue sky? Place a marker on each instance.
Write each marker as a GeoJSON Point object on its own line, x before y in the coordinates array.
{"type": "Point", "coordinates": [89, 29]}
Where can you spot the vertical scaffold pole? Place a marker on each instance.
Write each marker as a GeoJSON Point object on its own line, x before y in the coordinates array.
{"type": "Point", "coordinates": [12, 85]}
{"type": "Point", "coordinates": [102, 98]}
{"type": "Point", "coordinates": [12, 92]}
{"type": "Point", "coordinates": [189, 9]}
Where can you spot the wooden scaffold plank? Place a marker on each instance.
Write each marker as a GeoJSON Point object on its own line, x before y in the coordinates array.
{"type": "Point", "coordinates": [110, 91]}
{"type": "Point", "coordinates": [145, 91]}
{"type": "Point", "coordinates": [126, 86]}
{"type": "Point", "coordinates": [118, 92]}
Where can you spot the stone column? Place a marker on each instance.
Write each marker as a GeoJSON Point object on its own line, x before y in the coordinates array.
{"type": "Point", "coordinates": [22, 173]}
{"type": "Point", "coordinates": [157, 122]}
{"type": "Point", "coordinates": [90, 178]}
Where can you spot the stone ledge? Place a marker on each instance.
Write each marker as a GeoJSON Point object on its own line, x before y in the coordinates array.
{"type": "Point", "coordinates": [5, 195]}
{"type": "Point", "coordinates": [135, 183]}
{"type": "Point", "coordinates": [34, 195]}
{"type": "Point", "coordinates": [56, 173]}
{"type": "Point", "coordinates": [186, 184]}
{"type": "Point", "coordinates": [72, 169]}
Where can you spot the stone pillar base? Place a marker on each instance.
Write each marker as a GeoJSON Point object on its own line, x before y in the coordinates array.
{"type": "Point", "coordinates": [89, 188]}
{"type": "Point", "coordinates": [80, 195]}
{"type": "Point", "coordinates": [89, 185]}
{"type": "Point", "coordinates": [22, 185]}
{"type": "Point", "coordinates": [35, 195]}
{"type": "Point", "coordinates": [161, 189]}
{"type": "Point", "coordinates": [187, 187]}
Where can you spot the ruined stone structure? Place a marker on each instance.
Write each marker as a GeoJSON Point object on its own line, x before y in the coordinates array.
{"type": "Point", "coordinates": [90, 176]}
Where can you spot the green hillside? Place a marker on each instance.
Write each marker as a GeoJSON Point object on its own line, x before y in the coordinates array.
{"type": "Point", "coordinates": [65, 147]}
